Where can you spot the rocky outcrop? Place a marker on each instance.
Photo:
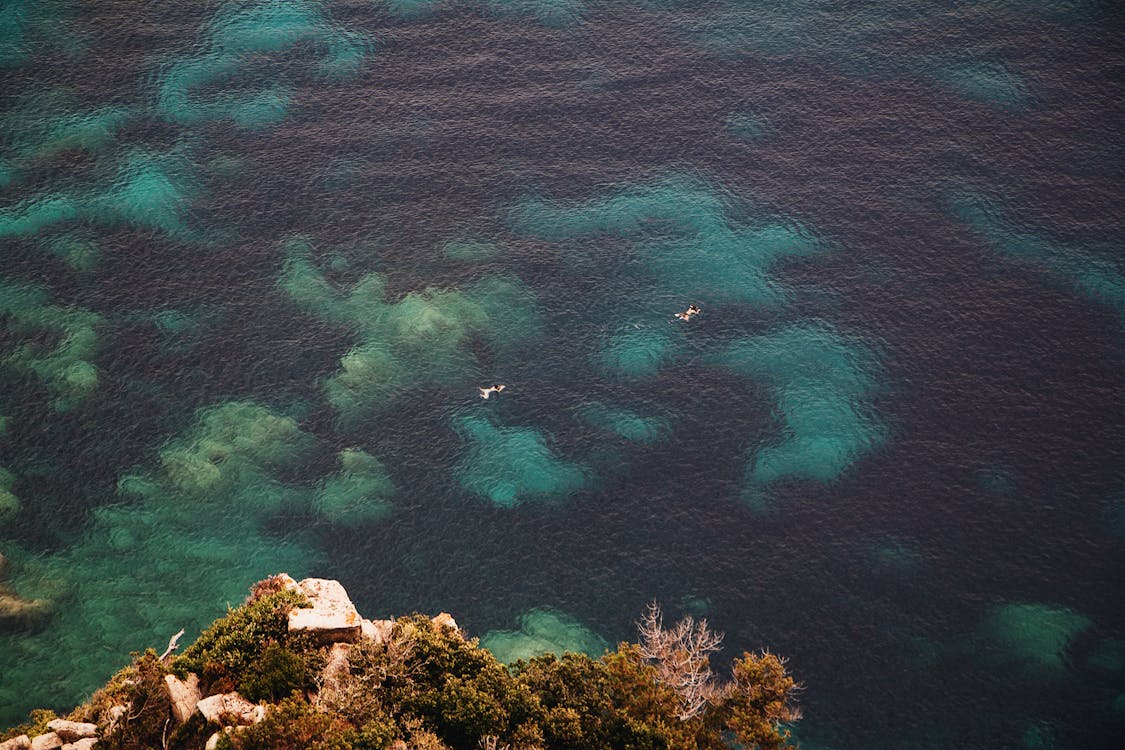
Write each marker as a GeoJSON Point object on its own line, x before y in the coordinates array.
{"type": "Point", "coordinates": [230, 708]}
{"type": "Point", "coordinates": [336, 666]}
{"type": "Point", "coordinates": [49, 741]}
{"type": "Point", "coordinates": [72, 731]}
{"type": "Point", "coordinates": [87, 744]}
{"type": "Point", "coordinates": [332, 617]}
{"type": "Point", "coordinates": [445, 620]}
{"type": "Point", "coordinates": [377, 630]}
{"type": "Point", "coordinates": [184, 695]}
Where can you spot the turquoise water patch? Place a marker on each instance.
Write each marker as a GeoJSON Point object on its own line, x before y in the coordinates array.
{"type": "Point", "coordinates": [634, 427]}
{"type": "Point", "coordinates": [423, 340]}
{"type": "Point", "coordinates": [1113, 518]}
{"type": "Point", "coordinates": [174, 551]}
{"type": "Point", "coordinates": [543, 631]}
{"type": "Point", "coordinates": [78, 249]}
{"type": "Point", "coordinates": [1094, 273]}
{"type": "Point", "coordinates": [359, 494]}
{"type": "Point", "coordinates": [632, 352]}
{"type": "Point", "coordinates": [690, 244]}
{"type": "Point", "coordinates": [1039, 735]}
{"type": "Point", "coordinates": [1108, 656]}
{"type": "Point", "coordinates": [510, 465]}
{"type": "Point", "coordinates": [989, 82]}
{"type": "Point", "coordinates": [1034, 638]}
{"type": "Point", "coordinates": [149, 190]}
{"type": "Point", "coordinates": [152, 191]}
{"type": "Point", "coordinates": [469, 250]}
{"type": "Point", "coordinates": [27, 26]}
{"type": "Point", "coordinates": [896, 557]}
{"type": "Point", "coordinates": [996, 480]}
{"type": "Point", "coordinates": [239, 39]}
{"type": "Point", "coordinates": [60, 343]}
{"type": "Point", "coordinates": [413, 9]}
{"type": "Point", "coordinates": [47, 125]}
{"type": "Point", "coordinates": [820, 380]}
{"type": "Point", "coordinates": [551, 13]}
{"type": "Point", "coordinates": [747, 126]}
{"type": "Point", "coordinates": [9, 503]}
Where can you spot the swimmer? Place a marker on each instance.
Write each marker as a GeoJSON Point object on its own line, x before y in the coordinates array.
{"type": "Point", "coordinates": [689, 313]}
{"type": "Point", "coordinates": [486, 392]}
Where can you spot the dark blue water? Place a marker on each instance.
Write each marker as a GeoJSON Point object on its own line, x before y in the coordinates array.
{"type": "Point", "coordinates": [256, 259]}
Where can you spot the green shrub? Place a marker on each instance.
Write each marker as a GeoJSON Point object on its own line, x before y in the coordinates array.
{"type": "Point", "coordinates": [225, 653]}
{"type": "Point", "coordinates": [140, 688]}
{"type": "Point", "coordinates": [292, 725]}
{"type": "Point", "coordinates": [277, 673]}
{"type": "Point", "coordinates": [427, 688]}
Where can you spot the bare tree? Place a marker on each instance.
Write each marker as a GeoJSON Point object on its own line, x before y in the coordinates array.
{"type": "Point", "coordinates": [682, 657]}
{"type": "Point", "coordinates": [491, 742]}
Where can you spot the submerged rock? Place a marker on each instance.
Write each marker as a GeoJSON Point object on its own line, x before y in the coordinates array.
{"type": "Point", "coordinates": [16, 612]}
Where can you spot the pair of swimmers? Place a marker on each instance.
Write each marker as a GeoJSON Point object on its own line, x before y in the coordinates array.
{"type": "Point", "coordinates": [687, 314]}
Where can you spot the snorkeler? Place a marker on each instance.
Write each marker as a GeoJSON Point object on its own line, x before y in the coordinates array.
{"type": "Point", "coordinates": [689, 313]}
{"type": "Point", "coordinates": [486, 392]}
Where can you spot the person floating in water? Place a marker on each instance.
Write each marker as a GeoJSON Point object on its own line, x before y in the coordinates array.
{"type": "Point", "coordinates": [689, 313]}
{"type": "Point", "coordinates": [486, 392]}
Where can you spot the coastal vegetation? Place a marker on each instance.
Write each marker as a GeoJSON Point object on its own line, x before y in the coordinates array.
{"type": "Point", "coordinates": [254, 679]}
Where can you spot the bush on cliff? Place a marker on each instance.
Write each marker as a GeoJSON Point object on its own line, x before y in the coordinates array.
{"type": "Point", "coordinates": [251, 650]}
{"type": "Point", "coordinates": [424, 686]}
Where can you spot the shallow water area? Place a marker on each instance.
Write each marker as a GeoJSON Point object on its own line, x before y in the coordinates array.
{"type": "Point", "coordinates": [257, 258]}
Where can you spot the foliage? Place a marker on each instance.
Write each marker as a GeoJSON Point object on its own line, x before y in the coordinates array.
{"type": "Point", "coordinates": [277, 673]}
{"type": "Point", "coordinates": [424, 686]}
{"type": "Point", "coordinates": [140, 688]}
{"type": "Point", "coordinates": [760, 702]}
{"type": "Point", "coordinates": [232, 648]}
{"type": "Point", "coordinates": [292, 724]}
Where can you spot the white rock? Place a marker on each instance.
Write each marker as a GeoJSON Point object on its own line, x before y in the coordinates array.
{"type": "Point", "coordinates": [23, 742]}
{"type": "Point", "coordinates": [445, 620]}
{"type": "Point", "coordinates": [336, 666]}
{"type": "Point", "coordinates": [332, 618]}
{"type": "Point", "coordinates": [183, 694]}
{"type": "Point", "coordinates": [213, 740]}
{"type": "Point", "coordinates": [233, 706]}
{"type": "Point", "coordinates": [113, 713]}
{"type": "Point", "coordinates": [87, 743]}
{"type": "Point", "coordinates": [288, 582]}
{"type": "Point", "coordinates": [49, 741]}
{"type": "Point", "coordinates": [71, 731]}
{"type": "Point", "coordinates": [377, 630]}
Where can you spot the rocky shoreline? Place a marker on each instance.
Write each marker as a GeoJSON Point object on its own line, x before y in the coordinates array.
{"type": "Point", "coordinates": [296, 667]}
{"type": "Point", "coordinates": [330, 619]}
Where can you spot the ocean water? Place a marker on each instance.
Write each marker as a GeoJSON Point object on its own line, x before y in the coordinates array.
{"type": "Point", "coordinates": [257, 257]}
